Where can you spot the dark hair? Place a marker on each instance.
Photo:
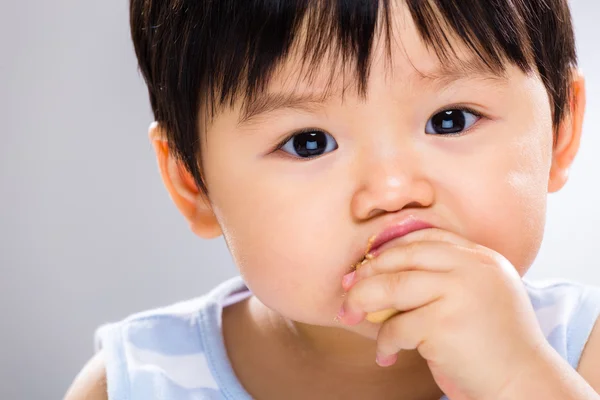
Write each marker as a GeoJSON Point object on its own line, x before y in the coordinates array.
{"type": "Point", "coordinates": [194, 52]}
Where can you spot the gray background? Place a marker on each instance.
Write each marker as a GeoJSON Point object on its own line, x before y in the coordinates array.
{"type": "Point", "coordinates": [87, 232]}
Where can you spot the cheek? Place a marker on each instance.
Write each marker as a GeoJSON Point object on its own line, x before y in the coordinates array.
{"type": "Point", "coordinates": [512, 216]}
{"type": "Point", "coordinates": [275, 229]}
{"type": "Point", "coordinates": [502, 202]}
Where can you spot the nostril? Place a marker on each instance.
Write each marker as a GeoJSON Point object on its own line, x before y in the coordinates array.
{"type": "Point", "coordinates": [378, 211]}
{"type": "Point", "coordinates": [414, 204]}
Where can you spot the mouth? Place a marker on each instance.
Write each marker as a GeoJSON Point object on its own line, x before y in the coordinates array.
{"type": "Point", "coordinates": [379, 243]}
{"type": "Point", "coordinates": [368, 255]}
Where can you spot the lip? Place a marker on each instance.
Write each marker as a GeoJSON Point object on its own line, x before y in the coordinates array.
{"type": "Point", "coordinates": [397, 230]}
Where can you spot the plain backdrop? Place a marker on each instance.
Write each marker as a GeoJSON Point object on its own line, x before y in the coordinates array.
{"type": "Point", "coordinates": [87, 232]}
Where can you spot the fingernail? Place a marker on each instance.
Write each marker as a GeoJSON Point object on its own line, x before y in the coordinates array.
{"type": "Point", "coordinates": [348, 279]}
{"type": "Point", "coordinates": [386, 361]}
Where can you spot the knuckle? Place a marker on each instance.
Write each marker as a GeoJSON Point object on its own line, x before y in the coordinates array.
{"type": "Point", "coordinates": [486, 257]}
{"type": "Point", "coordinates": [411, 251]}
{"type": "Point", "coordinates": [396, 328]}
{"type": "Point", "coordinates": [370, 267]}
{"type": "Point", "coordinates": [451, 318]}
{"type": "Point", "coordinates": [435, 234]}
{"type": "Point", "coordinates": [390, 338]}
{"type": "Point", "coordinates": [357, 297]}
{"type": "Point", "coordinates": [394, 284]}
{"type": "Point", "coordinates": [353, 298]}
{"type": "Point", "coordinates": [396, 335]}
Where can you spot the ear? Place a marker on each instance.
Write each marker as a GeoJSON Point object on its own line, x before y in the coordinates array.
{"type": "Point", "coordinates": [569, 136]}
{"type": "Point", "coordinates": [191, 202]}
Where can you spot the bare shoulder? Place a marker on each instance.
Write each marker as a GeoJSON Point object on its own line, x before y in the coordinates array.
{"type": "Point", "coordinates": [589, 364]}
{"type": "Point", "coordinates": [90, 383]}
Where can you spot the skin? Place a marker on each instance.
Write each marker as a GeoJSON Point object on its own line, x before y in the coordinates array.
{"type": "Point", "coordinates": [295, 227]}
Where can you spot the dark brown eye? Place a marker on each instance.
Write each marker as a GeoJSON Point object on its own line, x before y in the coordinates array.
{"type": "Point", "coordinates": [451, 122]}
{"type": "Point", "coordinates": [309, 144]}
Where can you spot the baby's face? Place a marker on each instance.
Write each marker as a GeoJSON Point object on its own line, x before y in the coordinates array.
{"type": "Point", "coordinates": [296, 225]}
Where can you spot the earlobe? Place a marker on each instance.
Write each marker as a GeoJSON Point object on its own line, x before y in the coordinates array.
{"type": "Point", "coordinates": [191, 202]}
{"type": "Point", "coordinates": [568, 136]}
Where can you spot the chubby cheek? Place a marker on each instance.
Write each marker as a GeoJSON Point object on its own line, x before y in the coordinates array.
{"type": "Point", "coordinates": [502, 202]}
{"type": "Point", "coordinates": [284, 238]}
{"type": "Point", "coordinates": [511, 219]}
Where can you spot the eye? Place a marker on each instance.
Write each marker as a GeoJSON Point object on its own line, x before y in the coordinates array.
{"type": "Point", "coordinates": [451, 122]}
{"type": "Point", "coordinates": [309, 144]}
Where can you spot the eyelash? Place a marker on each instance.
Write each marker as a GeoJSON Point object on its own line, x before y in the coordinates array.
{"type": "Point", "coordinates": [457, 107]}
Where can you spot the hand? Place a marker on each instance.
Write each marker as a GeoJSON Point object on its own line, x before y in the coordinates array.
{"type": "Point", "coordinates": [462, 306]}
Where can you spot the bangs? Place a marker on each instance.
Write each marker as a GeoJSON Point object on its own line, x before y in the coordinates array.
{"type": "Point", "coordinates": [260, 36]}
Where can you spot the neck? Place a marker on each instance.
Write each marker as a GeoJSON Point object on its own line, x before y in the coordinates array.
{"type": "Point", "coordinates": [347, 350]}
{"type": "Point", "coordinates": [337, 362]}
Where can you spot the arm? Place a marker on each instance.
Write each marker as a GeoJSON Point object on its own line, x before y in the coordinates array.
{"type": "Point", "coordinates": [589, 365]}
{"type": "Point", "coordinates": [90, 384]}
{"type": "Point", "coordinates": [555, 379]}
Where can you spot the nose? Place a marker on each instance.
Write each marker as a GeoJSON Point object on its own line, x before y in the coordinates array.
{"type": "Point", "coordinates": [390, 183]}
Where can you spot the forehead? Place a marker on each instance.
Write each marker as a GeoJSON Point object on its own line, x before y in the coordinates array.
{"type": "Point", "coordinates": [333, 56]}
{"type": "Point", "coordinates": [406, 58]}
{"type": "Point", "coordinates": [400, 54]}
{"type": "Point", "coordinates": [403, 52]}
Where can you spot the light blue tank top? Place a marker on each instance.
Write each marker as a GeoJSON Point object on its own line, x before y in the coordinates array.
{"type": "Point", "coordinates": [178, 353]}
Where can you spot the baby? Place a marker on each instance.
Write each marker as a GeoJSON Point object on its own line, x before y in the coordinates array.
{"type": "Point", "coordinates": [379, 171]}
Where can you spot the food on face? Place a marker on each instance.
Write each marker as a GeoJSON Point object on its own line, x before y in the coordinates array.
{"type": "Point", "coordinates": [378, 316]}
{"type": "Point", "coordinates": [368, 256]}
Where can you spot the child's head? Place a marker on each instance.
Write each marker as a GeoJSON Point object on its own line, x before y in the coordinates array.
{"type": "Point", "coordinates": [308, 126]}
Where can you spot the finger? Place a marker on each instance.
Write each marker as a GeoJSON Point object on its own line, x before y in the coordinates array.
{"type": "Point", "coordinates": [432, 235]}
{"type": "Point", "coordinates": [402, 291]}
{"type": "Point", "coordinates": [424, 255]}
{"type": "Point", "coordinates": [405, 331]}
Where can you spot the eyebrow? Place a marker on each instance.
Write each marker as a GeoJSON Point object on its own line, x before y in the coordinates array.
{"type": "Point", "coordinates": [313, 102]}
{"type": "Point", "coordinates": [473, 70]}
{"type": "Point", "coordinates": [269, 102]}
